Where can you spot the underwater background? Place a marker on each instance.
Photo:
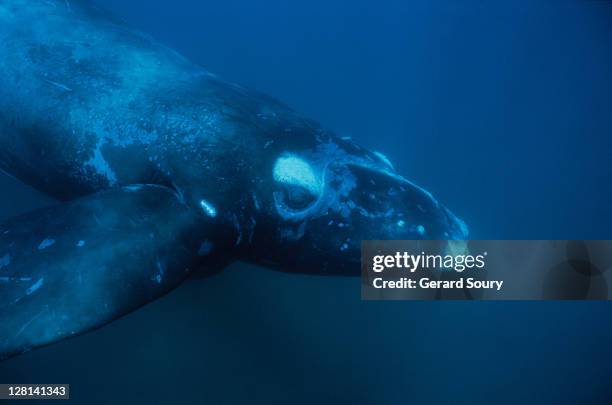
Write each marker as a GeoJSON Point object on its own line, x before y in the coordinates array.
{"type": "Point", "coordinates": [503, 110]}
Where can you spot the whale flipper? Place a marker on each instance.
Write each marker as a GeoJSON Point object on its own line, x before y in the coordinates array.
{"type": "Point", "coordinates": [76, 266]}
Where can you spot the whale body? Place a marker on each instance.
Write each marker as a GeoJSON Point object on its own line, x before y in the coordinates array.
{"type": "Point", "coordinates": [162, 168]}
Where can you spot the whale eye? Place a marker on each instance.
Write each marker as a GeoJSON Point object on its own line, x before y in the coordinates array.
{"type": "Point", "coordinates": [298, 198]}
{"type": "Point", "coordinates": [299, 184]}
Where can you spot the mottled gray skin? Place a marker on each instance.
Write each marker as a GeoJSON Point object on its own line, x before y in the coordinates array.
{"type": "Point", "coordinates": [88, 104]}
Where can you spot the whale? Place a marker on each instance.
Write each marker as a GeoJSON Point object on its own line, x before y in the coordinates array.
{"type": "Point", "coordinates": [162, 170]}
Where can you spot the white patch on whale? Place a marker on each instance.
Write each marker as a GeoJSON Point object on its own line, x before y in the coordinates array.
{"type": "Point", "coordinates": [293, 170]}
{"type": "Point", "coordinates": [161, 271]}
{"type": "Point", "coordinates": [208, 208]}
{"type": "Point", "coordinates": [35, 286]}
{"type": "Point", "coordinates": [101, 166]}
{"type": "Point", "coordinates": [46, 243]}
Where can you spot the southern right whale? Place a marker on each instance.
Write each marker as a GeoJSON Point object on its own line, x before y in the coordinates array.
{"type": "Point", "coordinates": [163, 168]}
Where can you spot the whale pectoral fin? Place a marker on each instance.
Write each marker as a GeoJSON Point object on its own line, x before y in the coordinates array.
{"type": "Point", "coordinates": [72, 267]}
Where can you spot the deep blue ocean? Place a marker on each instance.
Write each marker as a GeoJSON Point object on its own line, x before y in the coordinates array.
{"type": "Point", "coordinates": [503, 110]}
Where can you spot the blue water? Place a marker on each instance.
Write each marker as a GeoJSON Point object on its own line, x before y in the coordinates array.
{"type": "Point", "coordinates": [503, 111]}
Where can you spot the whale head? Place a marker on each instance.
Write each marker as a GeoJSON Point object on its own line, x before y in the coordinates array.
{"type": "Point", "coordinates": [317, 204]}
